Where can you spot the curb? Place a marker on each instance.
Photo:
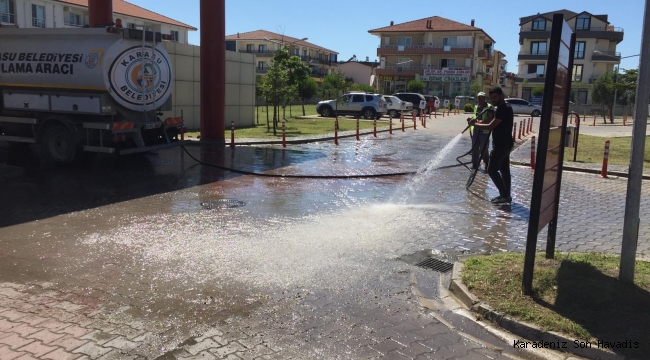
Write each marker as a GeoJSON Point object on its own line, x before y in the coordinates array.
{"type": "Point", "coordinates": [520, 328]}
{"type": "Point", "coordinates": [586, 171]}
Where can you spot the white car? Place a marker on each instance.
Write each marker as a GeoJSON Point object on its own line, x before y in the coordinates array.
{"type": "Point", "coordinates": [523, 107]}
{"type": "Point", "coordinates": [396, 106]}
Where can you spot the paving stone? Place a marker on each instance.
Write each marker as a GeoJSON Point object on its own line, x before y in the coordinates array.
{"type": "Point", "coordinates": [206, 344]}
{"type": "Point", "coordinates": [6, 353]}
{"type": "Point", "coordinates": [68, 342]}
{"type": "Point", "coordinates": [386, 346]}
{"type": "Point", "coordinates": [92, 350]}
{"type": "Point", "coordinates": [122, 343]}
{"type": "Point", "coordinates": [96, 336]}
{"type": "Point", "coordinates": [203, 355]}
{"type": "Point", "coordinates": [15, 341]}
{"type": "Point", "coordinates": [60, 354]}
{"type": "Point", "coordinates": [231, 348]}
{"type": "Point", "coordinates": [37, 348]}
{"type": "Point", "coordinates": [45, 336]}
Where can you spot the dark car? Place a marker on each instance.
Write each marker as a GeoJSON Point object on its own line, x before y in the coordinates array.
{"type": "Point", "coordinates": [418, 101]}
{"type": "Point", "coordinates": [431, 103]}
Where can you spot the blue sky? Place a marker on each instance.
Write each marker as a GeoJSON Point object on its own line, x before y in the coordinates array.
{"type": "Point", "coordinates": [342, 25]}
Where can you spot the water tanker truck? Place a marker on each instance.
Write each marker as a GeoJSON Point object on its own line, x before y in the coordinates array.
{"type": "Point", "coordinates": [76, 92]}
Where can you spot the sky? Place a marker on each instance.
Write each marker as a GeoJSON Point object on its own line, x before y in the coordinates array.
{"type": "Point", "coordinates": [342, 25]}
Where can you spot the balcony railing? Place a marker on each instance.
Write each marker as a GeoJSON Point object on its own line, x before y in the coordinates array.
{"type": "Point", "coordinates": [7, 18]}
{"type": "Point", "coordinates": [69, 24]}
{"type": "Point", "coordinates": [315, 60]}
{"type": "Point", "coordinates": [600, 28]}
{"type": "Point", "coordinates": [400, 70]}
{"type": "Point", "coordinates": [259, 52]}
{"type": "Point", "coordinates": [606, 56]}
{"type": "Point", "coordinates": [39, 23]}
{"type": "Point", "coordinates": [423, 49]}
{"type": "Point", "coordinates": [485, 54]}
{"type": "Point", "coordinates": [262, 70]}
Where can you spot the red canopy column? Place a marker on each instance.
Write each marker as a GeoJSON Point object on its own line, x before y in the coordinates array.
{"type": "Point", "coordinates": [100, 13]}
{"type": "Point", "coordinates": [213, 70]}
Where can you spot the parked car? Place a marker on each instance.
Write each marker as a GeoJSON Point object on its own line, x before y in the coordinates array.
{"type": "Point", "coordinates": [418, 101]}
{"type": "Point", "coordinates": [396, 106]}
{"type": "Point", "coordinates": [431, 102]}
{"type": "Point", "coordinates": [523, 107]}
{"type": "Point", "coordinates": [368, 105]}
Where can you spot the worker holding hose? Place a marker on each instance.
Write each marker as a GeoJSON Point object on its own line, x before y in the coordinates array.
{"type": "Point", "coordinates": [480, 137]}
{"type": "Point", "coordinates": [502, 143]}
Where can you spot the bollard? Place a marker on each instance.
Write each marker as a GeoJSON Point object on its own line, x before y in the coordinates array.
{"type": "Point", "coordinates": [533, 151]}
{"type": "Point", "coordinates": [435, 113]}
{"type": "Point", "coordinates": [603, 172]}
{"type": "Point", "coordinates": [584, 115]}
{"type": "Point", "coordinates": [232, 134]}
{"type": "Point", "coordinates": [401, 117]}
{"type": "Point", "coordinates": [424, 121]}
{"type": "Point", "coordinates": [403, 122]}
{"type": "Point", "coordinates": [390, 124]}
{"type": "Point", "coordinates": [521, 128]}
{"type": "Point", "coordinates": [625, 119]}
{"type": "Point", "coordinates": [357, 128]}
{"type": "Point", "coordinates": [514, 132]}
{"type": "Point", "coordinates": [284, 134]}
{"type": "Point", "coordinates": [594, 120]}
{"type": "Point", "coordinates": [375, 128]}
{"type": "Point", "coordinates": [415, 123]}
{"type": "Point", "coordinates": [530, 125]}
{"type": "Point", "coordinates": [336, 132]}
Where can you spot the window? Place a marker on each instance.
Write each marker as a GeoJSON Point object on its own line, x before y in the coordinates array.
{"type": "Point", "coordinates": [304, 53]}
{"type": "Point", "coordinates": [38, 16]}
{"type": "Point", "coordinates": [130, 25]}
{"type": "Point", "coordinates": [450, 41]}
{"type": "Point", "coordinates": [174, 35]}
{"type": "Point", "coordinates": [539, 25]}
{"type": "Point", "coordinates": [357, 98]}
{"type": "Point", "coordinates": [369, 98]}
{"type": "Point", "coordinates": [402, 63]}
{"type": "Point", "coordinates": [7, 11]}
{"type": "Point", "coordinates": [296, 51]}
{"type": "Point", "coordinates": [333, 57]}
{"type": "Point", "coordinates": [580, 50]}
{"type": "Point", "coordinates": [250, 48]}
{"type": "Point", "coordinates": [538, 48]}
{"type": "Point", "coordinates": [448, 63]}
{"type": "Point", "coordinates": [262, 48]}
{"type": "Point", "coordinates": [74, 20]}
{"type": "Point", "coordinates": [583, 22]}
{"type": "Point", "coordinates": [231, 45]}
{"type": "Point", "coordinates": [577, 72]}
{"type": "Point", "coordinates": [582, 97]}
{"type": "Point", "coordinates": [404, 41]}
{"type": "Point", "coordinates": [261, 65]}
{"type": "Point", "coordinates": [537, 69]}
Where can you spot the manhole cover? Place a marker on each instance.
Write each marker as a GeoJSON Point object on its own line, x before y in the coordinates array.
{"type": "Point", "coordinates": [222, 204]}
{"type": "Point", "coordinates": [435, 264]}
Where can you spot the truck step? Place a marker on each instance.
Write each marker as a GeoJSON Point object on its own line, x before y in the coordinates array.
{"type": "Point", "coordinates": [19, 139]}
{"type": "Point", "coordinates": [18, 120]}
{"type": "Point", "coordinates": [98, 149]}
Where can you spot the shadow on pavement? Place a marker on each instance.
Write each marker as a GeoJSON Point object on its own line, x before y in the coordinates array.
{"type": "Point", "coordinates": [36, 192]}
{"type": "Point", "coordinates": [610, 310]}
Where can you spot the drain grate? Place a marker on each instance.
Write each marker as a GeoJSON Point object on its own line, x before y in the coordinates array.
{"type": "Point", "coordinates": [222, 204]}
{"type": "Point", "coordinates": [435, 264]}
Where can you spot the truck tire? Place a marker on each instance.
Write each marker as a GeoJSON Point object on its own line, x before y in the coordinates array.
{"type": "Point", "coordinates": [58, 144]}
{"type": "Point", "coordinates": [369, 113]}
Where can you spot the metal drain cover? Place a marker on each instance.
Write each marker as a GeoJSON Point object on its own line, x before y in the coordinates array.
{"type": "Point", "coordinates": [222, 204]}
{"type": "Point", "coordinates": [435, 264]}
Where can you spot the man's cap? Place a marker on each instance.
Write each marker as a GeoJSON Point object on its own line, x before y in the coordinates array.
{"type": "Point", "coordinates": [481, 94]}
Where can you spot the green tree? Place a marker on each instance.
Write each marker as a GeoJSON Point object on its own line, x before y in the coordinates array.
{"type": "Point", "coordinates": [538, 91]}
{"type": "Point", "coordinates": [259, 93]}
{"type": "Point", "coordinates": [415, 86]}
{"type": "Point", "coordinates": [307, 89]}
{"type": "Point", "coordinates": [363, 87]}
{"type": "Point", "coordinates": [626, 85]}
{"type": "Point", "coordinates": [334, 85]}
{"type": "Point", "coordinates": [475, 88]}
{"type": "Point", "coordinates": [298, 73]}
{"type": "Point", "coordinates": [603, 93]}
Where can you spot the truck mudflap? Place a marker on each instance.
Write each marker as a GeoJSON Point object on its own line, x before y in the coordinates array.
{"type": "Point", "coordinates": [130, 130]}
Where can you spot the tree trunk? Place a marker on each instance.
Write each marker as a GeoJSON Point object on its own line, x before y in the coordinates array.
{"type": "Point", "coordinates": [290, 113]}
{"type": "Point", "coordinates": [257, 108]}
{"type": "Point", "coordinates": [303, 107]}
{"type": "Point", "coordinates": [268, 124]}
{"type": "Point", "coordinates": [284, 112]}
{"type": "Point", "coordinates": [276, 112]}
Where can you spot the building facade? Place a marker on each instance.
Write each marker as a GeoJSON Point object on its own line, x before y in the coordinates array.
{"type": "Point", "coordinates": [595, 51]}
{"type": "Point", "coordinates": [263, 44]}
{"type": "Point", "coordinates": [359, 71]}
{"type": "Point", "coordinates": [74, 14]}
{"type": "Point", "coordinates": [447, 55]}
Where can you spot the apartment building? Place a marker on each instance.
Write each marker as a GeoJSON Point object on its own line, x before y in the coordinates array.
{"type": "Point", "coordinates": [264, 44]}
{"type": "Point", "coordinates": [74, 13]}
{"type": "Point", "coordinates": [595, 52]}
{"type": "Point", "coordinates": [446, 55]}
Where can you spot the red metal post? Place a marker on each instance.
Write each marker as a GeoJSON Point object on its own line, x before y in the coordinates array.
{"type": "Point", "coordinates": [390, 124]}
{"type": "Point", "coordinates": [403, 121]}
{"type": "Point", "coordinates": [357, 128]}
{"type": "Point", "coordinates": [514, 132]}
{"type": "Point", "coordinates": [521, 128]}
{"type": "Point", "coordinates": [375, 128]}
{"type": "Point", "coordinates": [594, 120]}
{"type": "Point", "coordinates": [415, 123]}
{"type": "Point", "coordinates": [603, 172]}
{"type": "Point", "coordinates": [100, 13]}
{"type": "Point", "coordinates": [336, 132]}
{"type": "Point", "coordinates": [284, 136]}
{"type": "Point", "coordinates": [213, 70]}
{"type": "Point", "coordinates": [533, 151]}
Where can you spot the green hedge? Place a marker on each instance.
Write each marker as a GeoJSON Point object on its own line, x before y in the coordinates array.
{"type": "Point", "coordinates": [469, 108]}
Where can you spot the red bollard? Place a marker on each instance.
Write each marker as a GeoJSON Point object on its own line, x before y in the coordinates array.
{"type": "Point", "coordinates": [403, 121]}
{"type": "Point", "coordinates": [336, 132]}
{"type": "Point", "coordinates": [375, 128]}
{"type": "Point", "coordinates": [531, 124]}
{"type": "Point", "coordinates": [401, 117]}
{"type": "Point", "coordinates": [603, 172]}
{"type": "Point", "coordinates": [624, 119]}
{"type": "Point", "coordinates": [357, 128]}
{"type": "Point", "coordinates": [435, 113]}
{"type": "Point", "coordinates": [232, 134]}
{"type": "Point", "coordinates": [424, 121]}
{"type": "Point", "coordinates": [521, 128]}
{"type": "Point", "coordinates": [533, 151]}
{"type": "Point", "coordinates": [514, 132]}
{"type": "Point", "coordinates": [594, 120]}
{"type": "Point", "coordinates": [390, 124]}
{"type": "Point", "coordinates": [415, 123]}
{"type": "Point", "coordinates": [284, 135]}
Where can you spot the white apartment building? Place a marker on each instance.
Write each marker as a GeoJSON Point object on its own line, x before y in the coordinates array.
{"type": "Point", "coordinates": [595, 51]}
{"type": "Point", "coordinates": [74, 13]}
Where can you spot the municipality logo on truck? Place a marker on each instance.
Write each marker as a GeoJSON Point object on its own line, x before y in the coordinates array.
{"type": "Point", "coordinates": [140, 76]}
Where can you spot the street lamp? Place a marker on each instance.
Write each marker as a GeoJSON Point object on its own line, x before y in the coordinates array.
{"type": "Point", "coordinates": [597, 52]}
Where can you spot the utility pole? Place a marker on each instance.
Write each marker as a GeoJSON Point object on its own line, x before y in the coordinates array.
{"type": "Point", "coordinates": [611, 119]}
{"type": "Point", "coordinates": [633, 198]}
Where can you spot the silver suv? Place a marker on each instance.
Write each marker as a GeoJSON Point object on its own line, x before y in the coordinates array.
{"type": "Point", "coordinates": [368, 105]}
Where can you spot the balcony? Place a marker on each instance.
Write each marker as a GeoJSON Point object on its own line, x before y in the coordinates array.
{"type": "Point", "coordinates": [7, 18]}
{"type": "Point", "coordinates": [606, 56]}
{"type": "Point", "coordinates": [315, 60]}
{"type": "Point", "coordinates": [74, 25]}
{"type": "Point", "coordinates": [423, 50]}
{"type": "Point", "coordinates": [259, 53]}
{"type": "Point", "coordinates": [533, 55]}
{"type": "Point", "coordinates": [485, 54]}
{"type": "Point", "coordinates": [607, 33]}
{"type": "Point", "coordinates": [532, 79]}
{"type": "Point", "coordinates": [262, 69]}
{"type": "Point", "coordinates": [407, 71]}
{"type": "Point", "coordinates": [38, 23]}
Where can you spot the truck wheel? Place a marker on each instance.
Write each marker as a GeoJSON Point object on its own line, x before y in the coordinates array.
{"type": "Point", "coordinates": [58, 144]}
{"type": "Point", "coordinates": [394, 114]}
{"type": "Point", "coordinates": [369, 114]}
{"type": "Point", "coordinates": [326, 111]}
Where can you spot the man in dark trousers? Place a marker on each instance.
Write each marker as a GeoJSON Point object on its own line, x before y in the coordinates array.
{"type": "Point", "coordinates": [502, 143]}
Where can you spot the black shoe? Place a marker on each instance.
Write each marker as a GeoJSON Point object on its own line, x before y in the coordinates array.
{"type": "Point", "coordinates": [496, 199]}
{"type": "Point", "coordinates": [502, 201]}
